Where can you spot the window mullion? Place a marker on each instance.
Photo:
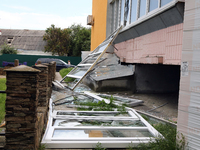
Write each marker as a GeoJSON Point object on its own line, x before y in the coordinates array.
{"type": "Point", "coordinates": [147, 6]}
{"type": "Point", "coordinates": [120, 7]}
{"type": "Point", "coordinates": [130, 5]}
{"type": "Point", "coordinates": [114, 15]}
{"type": "Point", "coordinates": [118, 14]}
{"type": "Point", "coordinates": [130, 10]}
{"type": "Point", "coordinates": [138, 9]}
{"type": "Point", "coordinates": [159, 3]}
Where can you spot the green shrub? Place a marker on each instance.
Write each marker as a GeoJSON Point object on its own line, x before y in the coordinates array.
{"type": "Point", "coordinates": [63, 72]}
{"type": "Point", "coordinates": [169, 142]}
{"type": "Point", "coordinates": [2, 98]}
{"type": "Point", "coordinates": [99, 147]}
{"type": "Point", "coordinates": [6, 49]}
{"type": "Point", "coordinates": [101, 106]}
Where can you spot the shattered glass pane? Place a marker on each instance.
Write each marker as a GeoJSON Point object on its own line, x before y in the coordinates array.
{"type": "Point", "coordinates": [75, 99]}
{"type": "Point", "coordinates": [91, 122]}
{"type": "Point", "coordinates": [113, 114]}
{"type": "Point", "coordinates": [90, 59]}
{"type": "Point", "coordinates": [98, 133]}
{"type": "Point", "coordinates": [79, 71]}
{"type": "Point", "coordinates": [81, 88]}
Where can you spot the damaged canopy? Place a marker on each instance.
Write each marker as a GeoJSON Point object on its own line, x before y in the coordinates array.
{"type": "Point", "coordinates": [82, 69]}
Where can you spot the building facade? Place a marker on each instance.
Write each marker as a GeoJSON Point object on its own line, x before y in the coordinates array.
{"type": "Point", "coordinates": [161, 38]}
{"type": "Point", "coordinates": [152, 32]}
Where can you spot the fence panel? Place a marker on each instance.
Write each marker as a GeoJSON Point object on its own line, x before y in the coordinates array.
{"type": "Point", "coordinates": [31, 59]}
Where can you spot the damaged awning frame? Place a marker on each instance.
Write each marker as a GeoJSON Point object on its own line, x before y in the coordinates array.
{"type": "Point", "coordinates": [100, 50]}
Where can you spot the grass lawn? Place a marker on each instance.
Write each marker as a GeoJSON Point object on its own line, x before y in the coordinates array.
{"type": "Point", "coordinates": [64, 72]}
{"type": "Point", "coordinates": [2, 98]}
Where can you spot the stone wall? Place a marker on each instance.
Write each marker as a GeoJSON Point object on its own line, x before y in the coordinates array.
{"type": "Point", "coordinates": [28, 93]}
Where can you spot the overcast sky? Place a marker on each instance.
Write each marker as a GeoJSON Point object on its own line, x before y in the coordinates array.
{"type": "Point", "coordinates": [40, 14]}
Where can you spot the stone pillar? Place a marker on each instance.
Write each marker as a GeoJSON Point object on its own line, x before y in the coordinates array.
{"type": "Point", "coordinates": [53, 68]}
{"type": "Point", "coordinates": [43, 101]}
{"type": "Point", "coordinates": [43, 85]}
{"type": "Point", "coordinates": [49, 80]}
{"type": "Point", "coordinates": [16, 62]}
{"type": "Point", "coordinates": [21, 108]}
{"type": "Point", "coordinates": [51, 75]}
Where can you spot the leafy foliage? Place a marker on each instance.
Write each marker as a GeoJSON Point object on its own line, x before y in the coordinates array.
{"type": "Point", "coordinates": [63, 72]}
{"type": "Point", "coordinates": [169, 142]}
{"type": "Point", "coordinates": [67, 42]}
{"type": "Point", "coordinates": [6, 49]}
{"type": "Point", "coordinates": [2, 98]}
{"type": "Point", "coordinates": [99, 146]}
{"type": "Point", "coordinates": [101, 106]}
{"type": "Point", "coordinates": [80, 39]}
{"type": "Point", "coordinates": [58, 40]}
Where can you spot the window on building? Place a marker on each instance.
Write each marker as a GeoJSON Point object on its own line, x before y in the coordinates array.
{"type": "Point", "coordinates": [125, 12]}
{"type": "Point", "coordinates": [143, 4]}
{"type": "Point", "coordinates": [134, 4]}
{"type": "Point", "coordinates": [153, 4]}
{"type": "Point", "coordinates": [164, 2]}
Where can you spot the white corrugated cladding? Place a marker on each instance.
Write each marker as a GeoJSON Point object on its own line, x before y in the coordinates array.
{"type": "Point", "coordinates": [189, 95]}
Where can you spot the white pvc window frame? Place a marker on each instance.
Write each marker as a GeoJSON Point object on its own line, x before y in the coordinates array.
{"type": "Point", "coordinates": [112, 142]}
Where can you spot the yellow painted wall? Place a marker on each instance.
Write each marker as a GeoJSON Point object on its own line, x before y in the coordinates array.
{"type": "Point", "coordinates": [98, 30]}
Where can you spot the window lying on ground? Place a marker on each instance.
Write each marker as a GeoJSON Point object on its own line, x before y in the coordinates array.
{"type": "Point", "coordinates": [84, 129]}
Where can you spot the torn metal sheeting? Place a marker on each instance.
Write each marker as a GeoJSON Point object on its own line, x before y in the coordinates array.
{"type": "Point", "coordinates": [111, 71]}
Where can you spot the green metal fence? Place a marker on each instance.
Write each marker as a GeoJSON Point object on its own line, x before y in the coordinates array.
{"type": "Point", "coordinates": [31, 59]}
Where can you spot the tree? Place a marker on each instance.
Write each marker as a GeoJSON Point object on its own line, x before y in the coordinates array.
{"type": "Point", "coordinates": [6, 49]}
{"type": "Point", "coordinates": [58, 40]}
{"type": "Point", "coordinates": [80, 39]}
{"type": "Point", "coordinates": [67, 42]}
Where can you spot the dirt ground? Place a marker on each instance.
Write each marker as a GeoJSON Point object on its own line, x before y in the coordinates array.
{"type": "Point", "coordinates": [2, 76]}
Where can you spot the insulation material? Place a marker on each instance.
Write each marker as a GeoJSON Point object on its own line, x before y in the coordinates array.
{"type": "Point", "coordinates": [148, 49]}
{"type": "Point", "coordinates": [189, 95]}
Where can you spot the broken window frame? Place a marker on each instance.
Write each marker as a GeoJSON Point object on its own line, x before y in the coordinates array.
{"type": "Point", "coordinates": [51, 142]}
{"type": "Point", "coordinates": [113, 142]}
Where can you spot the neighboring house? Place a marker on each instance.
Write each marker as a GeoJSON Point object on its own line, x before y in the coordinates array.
{"type": "Point", "coordinates": [159, 37]}
{"type": "Point", "coordinates": [28, 42]}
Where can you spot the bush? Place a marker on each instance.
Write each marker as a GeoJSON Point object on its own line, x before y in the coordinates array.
{"type": "Point", "coordinates": [169, 142]}
{"type": "Point", "coordinates": [63, 72]}
{"type": "Point", "coordinates": [2, 99]}
{"type": "Point", "coordinates": [6, 49]}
